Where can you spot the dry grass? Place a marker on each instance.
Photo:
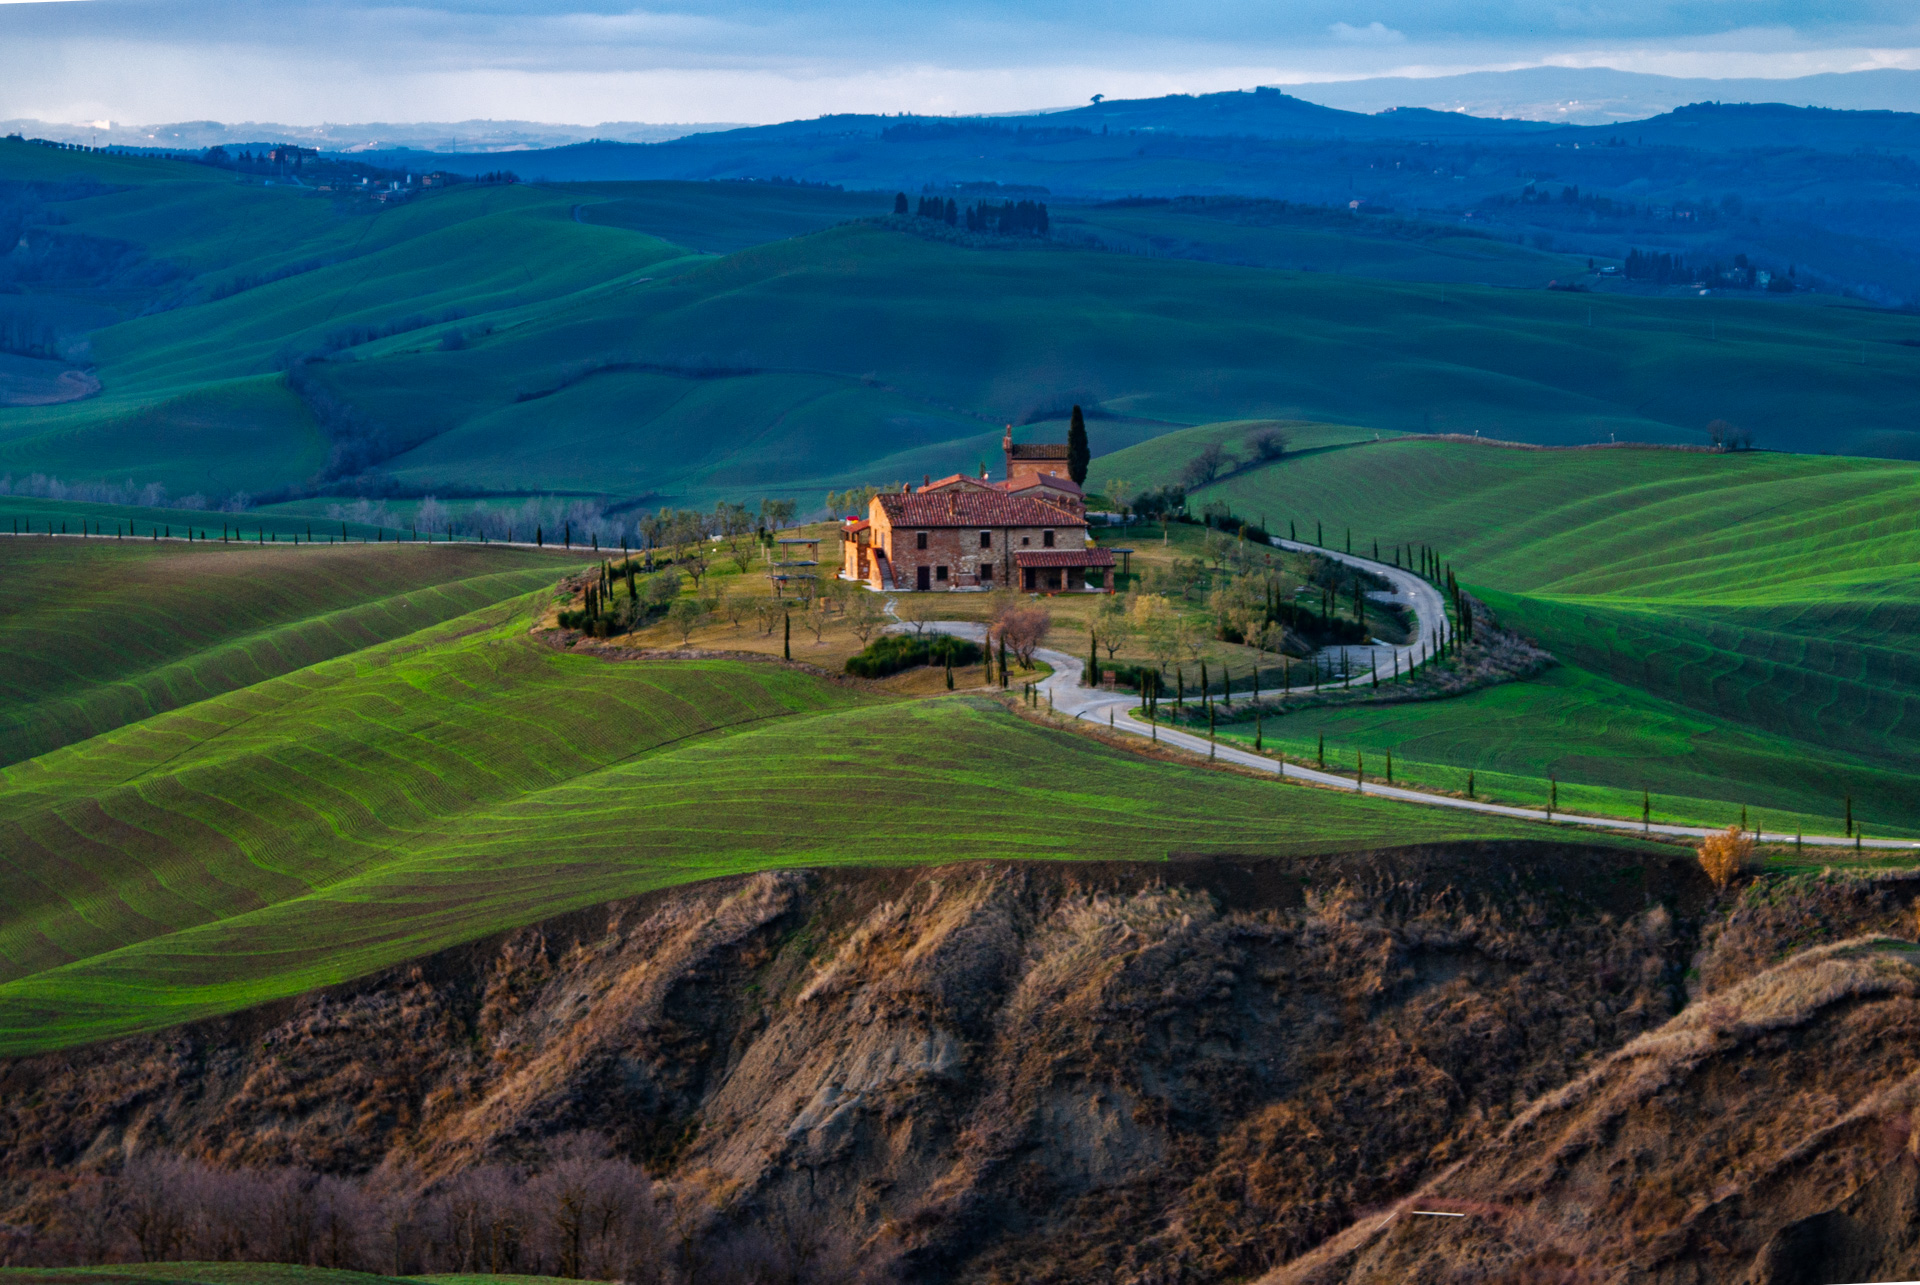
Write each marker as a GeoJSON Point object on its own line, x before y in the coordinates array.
{"type": "Point", "coordinates": [1724, 856]}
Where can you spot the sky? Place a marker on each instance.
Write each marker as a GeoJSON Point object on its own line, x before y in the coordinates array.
{"type": "Point", "coordinates": [154, 61]}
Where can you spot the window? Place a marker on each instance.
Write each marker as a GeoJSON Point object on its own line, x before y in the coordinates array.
{"type": "Point", "coordinates": [939, 573]}
{"type": "Point", "coordinates": [1046, 538]}
{"type": "Point", "coordinates": [986, 539]}
{"type": "Point", "coordinates": [920, 540]}
{"type": "Point", "coordinates": [986, 573]}
{"type": "Point", "coordinates": [1025, 540]}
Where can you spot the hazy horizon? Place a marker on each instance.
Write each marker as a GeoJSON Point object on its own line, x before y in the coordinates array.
{"type": "Point", "coordinates": [750, 62]}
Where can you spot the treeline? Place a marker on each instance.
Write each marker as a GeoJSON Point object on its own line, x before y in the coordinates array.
{"type": "Point", "coordinates": [583, 1215]}
{"type": "Point", "coordinates": [1009, 218]}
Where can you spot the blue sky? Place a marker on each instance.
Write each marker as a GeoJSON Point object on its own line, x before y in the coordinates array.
{"type": "Point", "coordinates": [715, 60]}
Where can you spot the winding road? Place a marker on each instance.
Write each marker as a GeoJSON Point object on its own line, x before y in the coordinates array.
{"type": "Point", "coordinates": [1065, 695]}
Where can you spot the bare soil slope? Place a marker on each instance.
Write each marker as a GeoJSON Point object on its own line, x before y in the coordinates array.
{"type": "Point", "coordinates": [1196, 1071]}
{"type": "Point", "coordinates": [1765, 1135]}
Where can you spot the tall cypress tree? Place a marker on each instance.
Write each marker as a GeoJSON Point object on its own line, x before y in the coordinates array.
{"type": "Point", "coordinates": [1078, 453]}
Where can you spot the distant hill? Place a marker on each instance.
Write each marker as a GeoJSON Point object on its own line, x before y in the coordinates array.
{"type": "Point", "coordinates": [1606, 96]}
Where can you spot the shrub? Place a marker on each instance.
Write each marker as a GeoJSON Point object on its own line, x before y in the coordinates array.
{"type": "Point", "coordinates": [891, 653]}
{"type": "Point", "coordinates": [1725, 855]}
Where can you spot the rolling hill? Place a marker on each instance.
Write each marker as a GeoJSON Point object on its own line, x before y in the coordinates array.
{"type": "Point", "coordinates": [1736, 628]}
{"type": "Point", "coordinates": [332, 818]}
{"type": "Point", "coordinates": [498, 340]}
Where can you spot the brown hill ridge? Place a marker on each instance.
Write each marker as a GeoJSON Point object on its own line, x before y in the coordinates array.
{"type": "Point", "coordinates": [1056, 1072]}
{"type": "Point", "coordinates": [1764, 1135]}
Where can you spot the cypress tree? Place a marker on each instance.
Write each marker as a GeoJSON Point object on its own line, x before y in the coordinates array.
{"type": "Point", "coordinates": [539, 538]}
{"type": "Point", "coordinates": [1319, 536]}
{"type": "Point", "coordinates": [1078, 453]}
{"type": "Point", "coordinates": [1376, 551]}
{"type": "Point", "coordinates": [1849, 814]}
{"type": "Point", "coordinates": [1204, 686]}
{"type": "Point", "coordinates": [1359, 769]}
{"type": "Point", "coordinates": [1321, 752]}
{"type": "Point", "coordinates": [1210, 731]}
{"type": "Point", "coordinates": [1179, 687]}
{"type": "Point", "coordinates": [786, 638]}
{"type": "Point", "coordinates": [1743, 816]}
{"type": "Point", "coordinates": [1093, 659]}
{"type": "Point", "coordinates": [1291, 533]}
{"type": "Point", "coordinates": [1349, 539]}
{"type": "Point", "coordinates": [1646, 809]}
{"type": "Point", "coordinates": [1469, 782]}
{"type": "Point", "coordinates": [1553, 796]}
{"type": "Point", "coordinates": [1389, 767]}
{"type": "Point", "coordinates": [1003, 662]}
{"type": "Point", "coordinates": [949, 668]}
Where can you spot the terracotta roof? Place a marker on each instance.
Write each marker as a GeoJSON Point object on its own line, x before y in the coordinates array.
{"type": "Point", "coordinates": [1037, 451]}
{"type": "Point", "coordinates": [855, 524]}
{"type": "Point", "coordinates": [1056, 481]}
{"type": "Point", "coordinates": [960, 480]}
{"type": "Point", "coordinates": [1065, 558]}
{"type": "Point", "coordinates": [958, 508]}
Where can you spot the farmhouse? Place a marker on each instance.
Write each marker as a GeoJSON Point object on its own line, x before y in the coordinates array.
{"type": "Point", "coordinates": [1026, 532]}
{"type": "Point", "coordinates": [960, 533]}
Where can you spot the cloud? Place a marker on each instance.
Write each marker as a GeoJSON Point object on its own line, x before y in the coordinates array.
{"type": "Point", "coordinates": [584, 61]}
{"type": "Point", "coordinates": [1374, 33]}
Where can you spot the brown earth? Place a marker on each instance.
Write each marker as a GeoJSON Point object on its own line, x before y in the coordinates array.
{"type": "Point", "coordinates": [1080, 1072]}
{"type": "Point", "coordinates": [1764, 1136]}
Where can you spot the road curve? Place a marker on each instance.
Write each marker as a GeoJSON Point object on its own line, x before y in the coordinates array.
{"type": "Point", "coordinates": [1065, 695]}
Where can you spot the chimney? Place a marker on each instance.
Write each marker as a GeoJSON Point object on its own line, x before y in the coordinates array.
{"type": "Point", "coordinates": [926, 479]}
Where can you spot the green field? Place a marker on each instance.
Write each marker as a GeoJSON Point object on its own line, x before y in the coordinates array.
{"type": "Point", "coordinates": [1737, 629]}
{"type": "Point", "coordinates": [515, 340]}
{"type": "Point", "coordinates": [97, 634]}
{"type": "Point", "coordinates": [466, 778]}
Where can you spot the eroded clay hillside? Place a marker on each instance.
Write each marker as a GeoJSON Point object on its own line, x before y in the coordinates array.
{"type": "Point", "coordinates": [1193, 1072]}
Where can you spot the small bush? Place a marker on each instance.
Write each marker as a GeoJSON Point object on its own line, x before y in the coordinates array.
{"type": "Point", "coordinates": [891, 653]}
{"type": "Point", "coordinates": [1723, 856]}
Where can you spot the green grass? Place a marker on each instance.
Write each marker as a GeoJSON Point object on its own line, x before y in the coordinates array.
{"type": "Point", "coordinates": [465, 778]}
{"type": "Point", "coordinates": [606, 357]}
{"type": "Point", "coordinates": [1744, 628]}
{"type": "Point", "coordinates": [97, 634]}
{"type": "Point", "coordinates": [1311, 240]}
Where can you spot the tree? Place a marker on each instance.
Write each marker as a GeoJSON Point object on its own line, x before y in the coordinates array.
{"type": "Point", "coordinates": [915, 610]}
{"type": "Point", "coordinates": [1111, 626]}
{"type": "Point", "coordinates": [777, 513]}
{"type": "Point", "coordinates": [864, 616]}
{"type": "Point", "coordinates": [817, 616]}
{"type": "Point", "coordinates": [1021, 629]}
{"type": "Point", "coordinates": [1119, 491]}
{"type": "Point", "coordinates": [686, 615]}
{"type": "Point", "coordinates": [1269, 444]}
{"type": "Point", "coordinates": [1204, 467]}
{"type": "Point", "coordinates": [899, 202]}
{"type": "Point", "coordinates": [1078, 453]}
{"type": "Point", "coordinates": [1723, 856]}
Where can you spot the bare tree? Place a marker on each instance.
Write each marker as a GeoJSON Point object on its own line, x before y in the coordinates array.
{"type": "Point", "coordinates": [1268, 444]}
{"type": "Point", "coordinates": [916, 610]}
{"type": "Point", "coordinates": [864, 615]}
{"type": "Point", "coordinates": [1111, 626]}
{"type": "Point", "coordinates": [687, 615]}
{"type": "Point", "coordinates": [1023, 628]}
{"type": "Point", "coordinates": [1204, 467]}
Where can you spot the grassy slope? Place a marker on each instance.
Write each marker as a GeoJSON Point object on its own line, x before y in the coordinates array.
{"type": "Point", "coordinates": [875, 354]}
{"type": "Point", "coordinates": [466, 778]}
{"type": "Point", "coordinates": [1743, 626]}
{"type": "Point", "coordinates": [97, 635]}
{"type": "Point", "coordinates": [1308, 244]}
